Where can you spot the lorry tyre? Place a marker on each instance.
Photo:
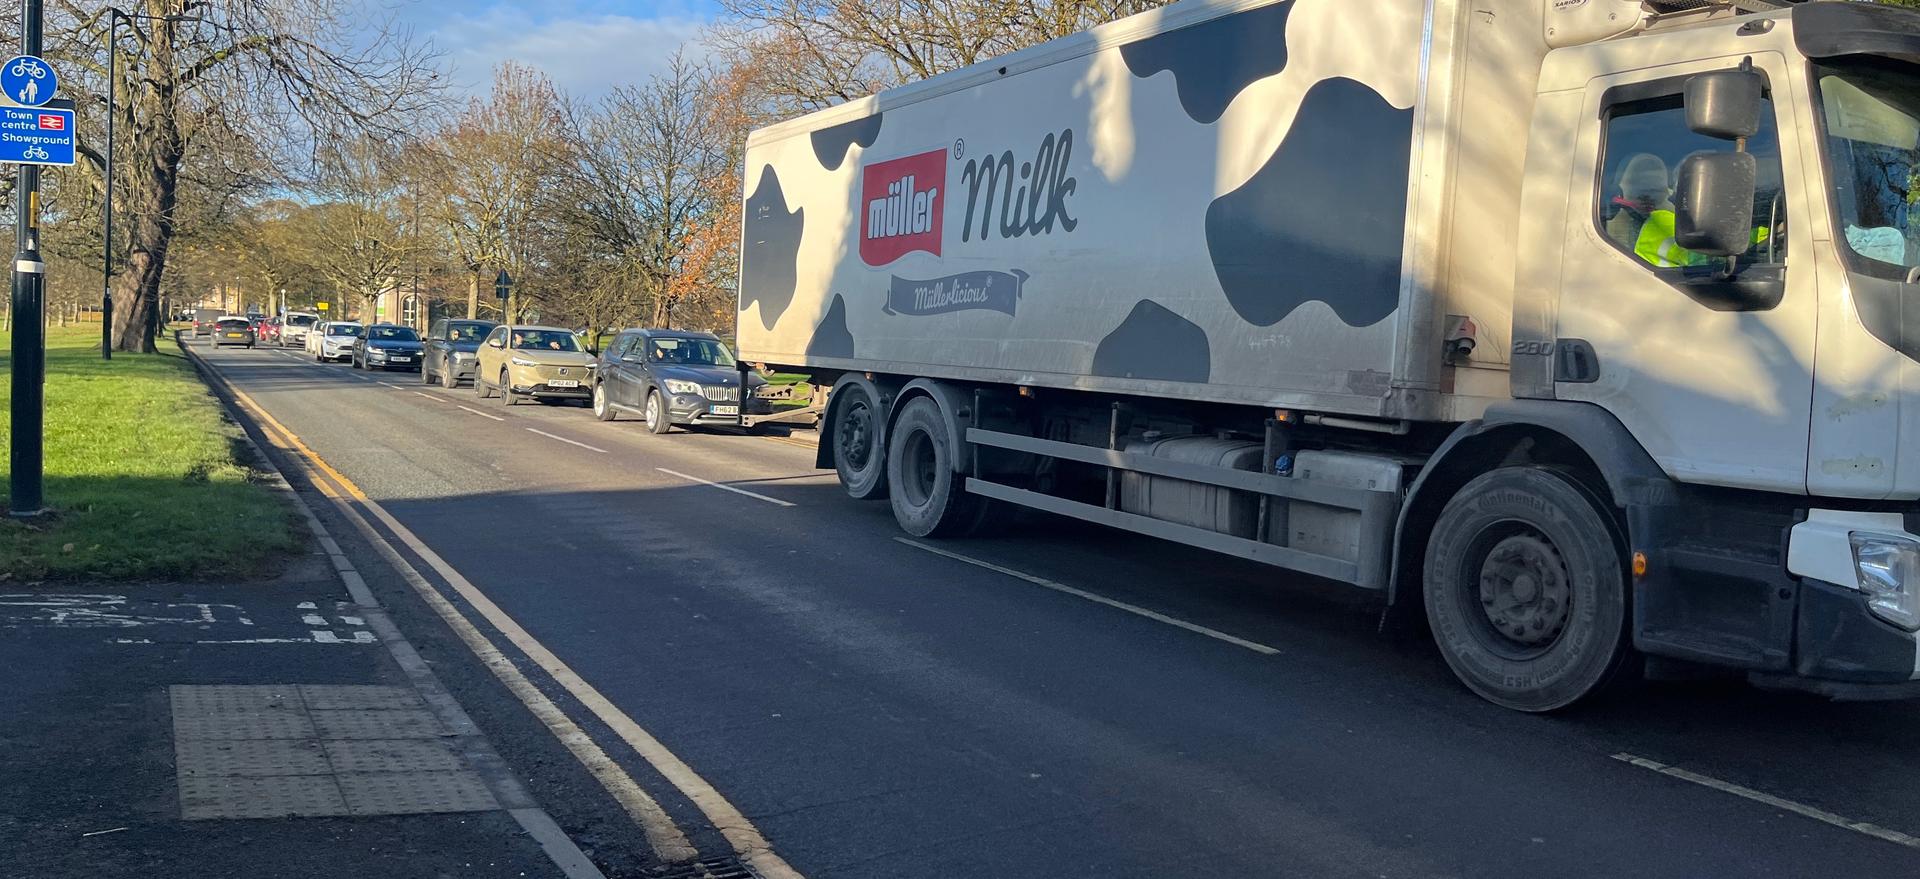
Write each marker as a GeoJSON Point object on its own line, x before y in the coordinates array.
{"type": "Point", "coordinates": [929, 498]}
{"type": "Point", "coordinates": [1526, 589]}
{"type": "Point", "coordinates": [859, 451]}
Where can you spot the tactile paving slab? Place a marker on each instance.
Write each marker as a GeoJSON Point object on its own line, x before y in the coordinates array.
{"type": "Point", "coordinates": [257, 757]}
{"type": "Point", "coordinates": [335, 697]}
{"type": "Point", "coordinates": [232, 796]}
{"type": "Point", "coordinates": [404, 793]}
{"type": "Point", "coordinates": [286, 750]}
{"type": "Point", "coordinates": [409, 723]}
{"type": "Point", "coordinates": [391, 755]}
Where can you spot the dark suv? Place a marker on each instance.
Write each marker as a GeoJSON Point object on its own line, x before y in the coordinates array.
{"type": "Point", "coordinates": [449, 356]}
{"type": "Point", "coordinates": [670, 377]}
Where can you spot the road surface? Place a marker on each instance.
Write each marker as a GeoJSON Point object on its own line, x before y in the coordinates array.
{"type": "Point", "coordinates": [1057, 701]}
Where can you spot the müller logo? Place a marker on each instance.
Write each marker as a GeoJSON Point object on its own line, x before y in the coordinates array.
{"type": "Point", "coordinates": [903, 199]}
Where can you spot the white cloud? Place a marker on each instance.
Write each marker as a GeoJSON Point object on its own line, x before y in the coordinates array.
{"type": "Point", "coordinates": [584, 54]}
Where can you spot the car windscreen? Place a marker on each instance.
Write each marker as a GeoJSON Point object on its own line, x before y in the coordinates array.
{"type": "Point", "coordinates": [343, 329]}
{"type": "Point", "coordinates": [300, 320]}
{"type": "Point", "coordinates": [392, 334]}
{"type": "Point", "coordinates": [689, 352]}
{"type": "Point", "coordinates": [468, 332]}
{"type": "Point", "coordinates": [545, 340]}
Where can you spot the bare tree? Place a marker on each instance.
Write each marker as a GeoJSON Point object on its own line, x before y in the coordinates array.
{"type": "Point", "coordinates": [486, 170]}
{"type": "Point", "coordinates": [246, 77]}
{"type": "Point", "coordinates": [364, 239]}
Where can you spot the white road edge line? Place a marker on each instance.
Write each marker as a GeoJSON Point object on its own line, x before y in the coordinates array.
{"type": "Point", "coordinates": [567, 441]}
{"type": "Point", "coordinates": [480, 413]}
{"type": "Point", "coordinates": [1801, 809]}
{"type": "Point", "coordinates": [1097, 599]}
{"type": "Point", "coordinates": [724, 487]}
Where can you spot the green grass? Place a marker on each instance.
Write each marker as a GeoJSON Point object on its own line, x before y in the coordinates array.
{"type": "Point", "coordinates": [141, 474]}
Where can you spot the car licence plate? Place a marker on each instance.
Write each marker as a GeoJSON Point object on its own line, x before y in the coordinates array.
{"type": "Point", "coordinates": [724, 410]}
{"type": "Point", "coordinates": [236, 335]}
{"type": "Point", "coordinates": [401, 359]}
{"type": "Point", "coordinates": [562, 383]}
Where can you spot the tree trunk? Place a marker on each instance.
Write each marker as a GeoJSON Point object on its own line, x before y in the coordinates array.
{"type": "Point", "coordinates": [137, 289]}
{"type": "Point", "coordinates": [473, 295]}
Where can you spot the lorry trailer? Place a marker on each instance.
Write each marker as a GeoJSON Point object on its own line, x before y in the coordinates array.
{"type": "Point", "coordinates": [1585, 331]}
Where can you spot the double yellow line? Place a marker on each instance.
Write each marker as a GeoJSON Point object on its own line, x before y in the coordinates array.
{"type": "Point", "coordinates": [663, 835]}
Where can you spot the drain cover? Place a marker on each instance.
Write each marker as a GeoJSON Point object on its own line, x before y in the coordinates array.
{"type": "Point", "coordinates": [712, 868]}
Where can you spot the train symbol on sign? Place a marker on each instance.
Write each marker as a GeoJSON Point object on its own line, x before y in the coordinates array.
{"type": "Point", "coordinates": [28, 81]}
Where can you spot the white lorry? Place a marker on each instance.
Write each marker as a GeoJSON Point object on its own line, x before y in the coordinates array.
{"type": "Point", "coordinates": [1586, 330]}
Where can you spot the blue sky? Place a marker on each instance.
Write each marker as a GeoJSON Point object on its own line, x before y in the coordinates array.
{"type": "Point", "coordinates": [585, 45]}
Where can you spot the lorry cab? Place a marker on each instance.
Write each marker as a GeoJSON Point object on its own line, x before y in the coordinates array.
{"type": "Point", "coordinates": [1776, 380]}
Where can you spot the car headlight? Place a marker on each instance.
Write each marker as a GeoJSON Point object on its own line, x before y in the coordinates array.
{"type": "Point", "coordinates": [1888, 568]}
{"type": "Point", "coordinates": [463, 355]}
{"type": "Point", "coordinates": [521, 361]}
{"type": "Point", "coordinates": [676, 386]}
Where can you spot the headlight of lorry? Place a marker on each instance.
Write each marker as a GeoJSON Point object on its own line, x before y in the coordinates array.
{"type": "Point", "coordinates": [1889, 572]}
{"type": "Point", "coordinates": [517, 361]}
{"type": "Point", "coordinates": [676, 386]}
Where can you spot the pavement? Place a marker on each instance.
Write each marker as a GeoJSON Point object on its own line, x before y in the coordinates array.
{"type": "Point", "coordinates": [704, 623]}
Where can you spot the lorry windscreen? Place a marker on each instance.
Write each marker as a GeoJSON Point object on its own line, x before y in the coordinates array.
{"type": "Point", "coordinates": [1872, 113]}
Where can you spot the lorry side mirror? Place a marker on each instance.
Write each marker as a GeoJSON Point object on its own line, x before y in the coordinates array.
{"type": "Point", "coordinates": [1726, 103]}
{"type": "Point", "coordinates": [1713, 205]}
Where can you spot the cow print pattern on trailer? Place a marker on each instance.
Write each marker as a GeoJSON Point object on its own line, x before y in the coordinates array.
{"type": "Point", "coordinates": [831, 144]}
{"type": "Point", "coordinates": [1155, 343]}
{"type": "Point", "coordinates": [1214, 60]}
{"type": "Point", "coordinates": [832, 338]}
{"type": "Point", "coordinates": [1325, 218]}
{"type": "Point", "coordinates": [770, 257]}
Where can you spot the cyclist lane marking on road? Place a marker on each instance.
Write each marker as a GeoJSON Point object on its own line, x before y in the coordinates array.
{"type": "Point", "coordinates": [1801, 809]}
{"type": "Point", "coordinates": [740, 833]}
{"type": "Point", "coordinates": [725, 487]}
{"type": "Point", "coordinates": [1097, 599]}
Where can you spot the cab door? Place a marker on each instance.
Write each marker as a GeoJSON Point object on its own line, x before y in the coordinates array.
{"type": "Point", "coordinates": [1712, 374]}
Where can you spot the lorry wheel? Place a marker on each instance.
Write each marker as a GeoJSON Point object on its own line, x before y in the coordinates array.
{"type": "Point", "coordinates": [1526, 589]}
{"type": "Point", "coordinates": [929, 499]}
{"type": "Point", "coordinates": [858, 455]}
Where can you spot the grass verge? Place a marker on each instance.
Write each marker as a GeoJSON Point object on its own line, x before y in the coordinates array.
{"type": "Point", "coordinates": [142, 474]}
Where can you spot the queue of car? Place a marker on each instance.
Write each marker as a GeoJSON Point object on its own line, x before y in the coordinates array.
{"type": "Point", "coordinates": [665, 378]}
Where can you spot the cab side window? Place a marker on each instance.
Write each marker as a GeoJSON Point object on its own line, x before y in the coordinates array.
{"type": "Point", "coordinates": [439, 331]}
{"type": "Point", "coordinates": [1646, 140]}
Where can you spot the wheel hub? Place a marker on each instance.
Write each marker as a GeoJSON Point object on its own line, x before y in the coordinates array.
{"type": "Point", "coordinates": [856, 435]}
{"type": "Point", "coordinates": [1524, 590]}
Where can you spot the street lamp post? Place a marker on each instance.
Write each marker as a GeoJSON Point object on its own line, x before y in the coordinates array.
{"type": "Point", "coordinates": [114, 17]}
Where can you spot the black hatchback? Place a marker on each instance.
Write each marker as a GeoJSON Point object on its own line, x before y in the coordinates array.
{"type": "Point", "coordinates": [387, 346]}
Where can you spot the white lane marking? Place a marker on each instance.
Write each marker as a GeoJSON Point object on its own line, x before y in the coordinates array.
{"type": "Point", "coordinates": [567, 441]}
{"type": "Point", "coordinates": [393, 386]}
{"type": "Point", "coordinates": [480, 413]}
{"type": "Point", "coordinates": [306, 605]}
{"type": "Point", "coordinates": [434, 397]}
{"type": "Point", "coordinates": [1097, 599]}
{"type": "Point", "coordinates": [102, 832]}
{"type": "Point", "coordinates": [724, 487]}
{"type": "Point", "coordinates": [735, 827]}
{"type": "Point", "coordinates": [324, 636]}
{"type": "Point", "coordinates": [314, 619]}
{"type": "Point", "coordinates": [1801, 809]}
{"type": "Point", "coordinates": [352, 621]}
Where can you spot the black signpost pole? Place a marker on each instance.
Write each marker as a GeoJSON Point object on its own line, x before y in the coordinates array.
{"type": "Point", "coordinates": [25, 480]}
{"type": "Point", "coordinates": [106, 251]}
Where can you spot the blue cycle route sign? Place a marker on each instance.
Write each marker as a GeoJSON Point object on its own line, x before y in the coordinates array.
{"type": "Point", "coordinates": [37, 135]}
{"type": "Point", "coordinates": [28, 80]}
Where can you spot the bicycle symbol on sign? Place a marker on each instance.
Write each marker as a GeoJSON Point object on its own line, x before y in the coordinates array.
{"type": "Point", "coordinates": [34, 152]}
{"type": "Point", "coordinates": [33, 69]}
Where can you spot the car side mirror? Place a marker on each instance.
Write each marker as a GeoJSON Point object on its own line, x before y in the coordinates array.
{"type": "Point", "coordinates": [1726, 104]}
{"type": "Point", "coordinates": [1713, 206]}
{"type": "Point", "coordinates": [629, 358]}
{"type": "Point", "coordinates": [496, 343]}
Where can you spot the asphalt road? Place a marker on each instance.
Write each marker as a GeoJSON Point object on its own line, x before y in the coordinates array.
{"type": "Point", "coordinates": [879, 710]}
